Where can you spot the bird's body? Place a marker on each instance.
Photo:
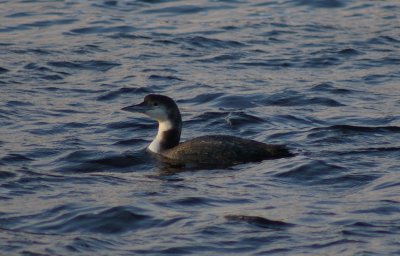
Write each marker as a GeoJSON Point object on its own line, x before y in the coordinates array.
{"type": "Point", "coordinates": [211, 150]}
{"type": "Point", "coordinates": [223, 150]}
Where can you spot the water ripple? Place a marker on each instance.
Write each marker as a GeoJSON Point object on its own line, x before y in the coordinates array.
{"type": "Point", "coordinates": [113, 220]}
{"type": "Point", "coordinates": [97, 65]}
{"type": "Point", "coordinates": [75, 176]}
{"type": "Point", "coordinates": [102, 30]}
{"type": "Point", "coordinates": [259, 221]}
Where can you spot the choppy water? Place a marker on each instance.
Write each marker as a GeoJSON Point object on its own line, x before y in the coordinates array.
{"type": "Point", "coordinates": [321, 76]}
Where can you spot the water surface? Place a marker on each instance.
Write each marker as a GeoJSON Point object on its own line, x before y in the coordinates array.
{"type": "Point", "coordinates": [320, 76]}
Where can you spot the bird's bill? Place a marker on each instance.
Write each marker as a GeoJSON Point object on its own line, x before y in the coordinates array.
{"type": "Point", "coordinates": [138, 108]}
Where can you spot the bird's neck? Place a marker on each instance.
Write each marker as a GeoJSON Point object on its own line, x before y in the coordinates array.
{"type": "Point", "coordinates": [168, 136]}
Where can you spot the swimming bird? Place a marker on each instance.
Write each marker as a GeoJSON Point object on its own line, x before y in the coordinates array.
{"type": "Point", "coordinates": [209, 150]}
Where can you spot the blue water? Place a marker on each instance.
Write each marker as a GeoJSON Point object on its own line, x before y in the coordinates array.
{"type": "Point", "coordinates": [321, 76]}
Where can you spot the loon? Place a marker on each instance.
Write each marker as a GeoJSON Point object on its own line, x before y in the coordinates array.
{"type": "Point", "coordinates": [210, 150]}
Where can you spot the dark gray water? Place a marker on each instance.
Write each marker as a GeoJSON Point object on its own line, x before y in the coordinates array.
{"type": "Point", "coordinates": [321, 76]}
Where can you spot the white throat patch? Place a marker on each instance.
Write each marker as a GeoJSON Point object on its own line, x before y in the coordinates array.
{"type": "Point", "coordinates": [155, 145]}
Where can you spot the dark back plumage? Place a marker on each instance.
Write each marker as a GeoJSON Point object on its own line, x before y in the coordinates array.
{"type": "Point", "coordinates": [223, 150]}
